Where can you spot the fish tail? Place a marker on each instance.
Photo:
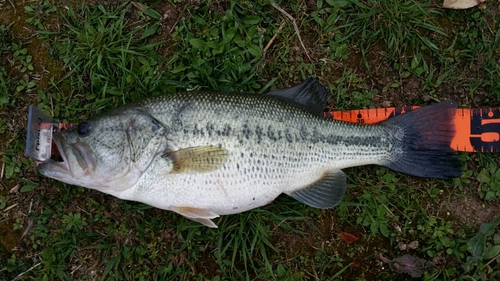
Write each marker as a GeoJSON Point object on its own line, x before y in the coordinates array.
{"type": "Point", "coordinates": [424, 138]}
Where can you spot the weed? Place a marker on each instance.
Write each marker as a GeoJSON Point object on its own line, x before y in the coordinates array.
{"type": "Point", "coordinates": [5, 48]}
{"type": "Point", "coordinates": [482, 251]}
{"type": "Point", "coordinates": [402, 25]}
{"type": "Point", "coordinates": [438, 231]}
{"type": "Point", "coordinates": [39, 12]}
{"type": "Point", "coordinates": [376, 216]}
{"type": "Point", "coordinates": [488, 178]}
{"type": "Point", "coordinates": [466, 178]}
{"type": "Point", "coordinates": [6, 38]}
{"type": "Point", "coordinates": [223, 55]}
{"type": "Point", "coordinates": [3, 201]}
{"type": "Point", "coordinates": [25, 85]}
{"type": "Point", "coordinates": [4, 89]}
{"type": "Point", "coordinates": [74, 220]}
{"type": "Point", "coordinates": [18, 225]}
{"type": "Point", "coordinates": [107, 54]}
{"type": "Point", "coordinates": [352, 92]}
{"type": "Point", "coordinates": [11, 166]}
{"type": "Point", "coordinates": [22, 57]}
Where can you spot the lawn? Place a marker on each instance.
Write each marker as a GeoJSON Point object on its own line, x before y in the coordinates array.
{"type": "Point", "coordinates": [74, 59]}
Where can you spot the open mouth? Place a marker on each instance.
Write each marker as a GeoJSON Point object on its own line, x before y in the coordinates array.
{"type": "Point", "coordinates": [58, 157]}
{"type": "Point", "coordinates": [56, 154]}
{"type": "Point", "coordinates": [66, 157]}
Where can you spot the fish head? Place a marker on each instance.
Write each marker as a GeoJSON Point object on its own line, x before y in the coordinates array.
{"type": "Point", "coordinates": [107, 153]}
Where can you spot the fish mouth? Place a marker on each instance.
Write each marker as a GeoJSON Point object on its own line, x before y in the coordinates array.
{"type": "Point", "coordinates": [58, 162]}
{"type": "Point", "coordinates": [67, 159]}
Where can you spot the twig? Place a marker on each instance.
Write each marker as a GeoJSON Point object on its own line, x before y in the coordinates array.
{"type": "Point", "coordinates": [179, 17]}
{"type": "Point", "coordinates": [30, 269]}
{"type": "Point", "coordinates": [28, 228]}
{"type": "Point", "coordinates": [13, 6]}
{"type": "Point", "coordinates": [83, 211]}
{"type": "Point", "coordinates": [294, 26]}
{"type": "Point", "coordinates": [276, 227]}
{"type": "Point", "coordinates": [175, 24]}
{"type": "Point", "coordinates": [488, 263]}
{"type": "Point", "coordinates": [384, 206]}
{"type": "Point", "coordinates": [74, 270]}
{"type": "Point", "coordinates": [272, 40]}
{"type": "Point", "coordinates": [10, 207]}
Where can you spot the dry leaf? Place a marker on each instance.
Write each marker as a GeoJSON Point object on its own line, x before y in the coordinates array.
{"type": "Point", "coordinates": [355, 264]}
{"type": "Point", "coordinates": [407, 264]}
{"type": "Point", "coordinates": [348, 237]}
{"type": "Point", "coordinates": [461, 4]}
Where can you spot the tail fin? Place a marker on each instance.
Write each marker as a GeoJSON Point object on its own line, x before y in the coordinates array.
{"type": "Point", "coordinates": [425, 136]}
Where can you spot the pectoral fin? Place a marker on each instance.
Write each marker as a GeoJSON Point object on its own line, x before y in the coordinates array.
{"type": "Point", "coordinates": [325, 193]}
{"type": "Point", "coordinates": [199, 215]}
{"type": "Point", "coordinates": [199, 159]}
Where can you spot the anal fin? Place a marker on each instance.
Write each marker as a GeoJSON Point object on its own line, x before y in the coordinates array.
{"type": "Point", "coordinates": [202, 216]}
{"type": "Point", "coordinates": [325, 193]}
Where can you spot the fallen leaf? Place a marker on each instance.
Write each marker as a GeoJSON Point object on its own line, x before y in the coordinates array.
{"type": "Point", "coordinates": [461, 4]}
{"type": "Point", "coordinates": [413, 245]}
{"type": "Point", "coordinates": [406, 264]}
{"type": "Point", "coordinates": [348, 237]}
{"type": "Point", "coordinates": [384, 259]}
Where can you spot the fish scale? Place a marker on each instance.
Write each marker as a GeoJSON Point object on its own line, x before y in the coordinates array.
{"type": "Point", "coordinates": [204, 154]}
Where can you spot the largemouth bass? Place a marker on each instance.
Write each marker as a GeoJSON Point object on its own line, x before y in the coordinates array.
{"type": "Point", "coordinates": [204, 154]}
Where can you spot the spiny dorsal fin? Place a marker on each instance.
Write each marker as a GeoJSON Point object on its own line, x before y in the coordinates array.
{"type": "Point", "coordinates": [325, 193]}
{"type": "Point", "coordinates": [202, 216]}
{"type": "Point", "coordinates": [198, 159]}
{"type": "Point", "coordinates": [310, 94]}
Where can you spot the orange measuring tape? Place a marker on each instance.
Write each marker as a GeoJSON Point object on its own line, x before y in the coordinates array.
{"type": "Point", "coordinates": [477, 130]}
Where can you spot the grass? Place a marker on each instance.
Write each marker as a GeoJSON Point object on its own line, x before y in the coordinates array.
{"type": "Point", "coordinates": [367, 53]}
{"type": "Point", "coordinates": [105, 55]}
{"type": "Point", "coordinates": [404, 27]}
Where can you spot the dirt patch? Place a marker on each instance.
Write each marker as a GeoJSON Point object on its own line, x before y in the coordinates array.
{"type": "Point", "coordinates": [46, 68]}
{"type": "Point", "coordinates": [464, 210]}
{"type": "Point", "coordinates": [9, 239]}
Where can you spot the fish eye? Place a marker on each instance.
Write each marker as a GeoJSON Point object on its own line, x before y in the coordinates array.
{"type": "Point", "coordinates": [84, 129]}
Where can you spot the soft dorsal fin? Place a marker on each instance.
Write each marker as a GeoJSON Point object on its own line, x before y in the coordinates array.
{"type": "Point", "coordinates": [198, 159]}
{"type": "Point", "coordinates": [311, 95]}
{"type": "Point", "coordinates": [325, 193]}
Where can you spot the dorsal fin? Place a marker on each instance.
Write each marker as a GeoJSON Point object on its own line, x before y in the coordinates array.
{"type": "Point", "coordinates": [311, 95]}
